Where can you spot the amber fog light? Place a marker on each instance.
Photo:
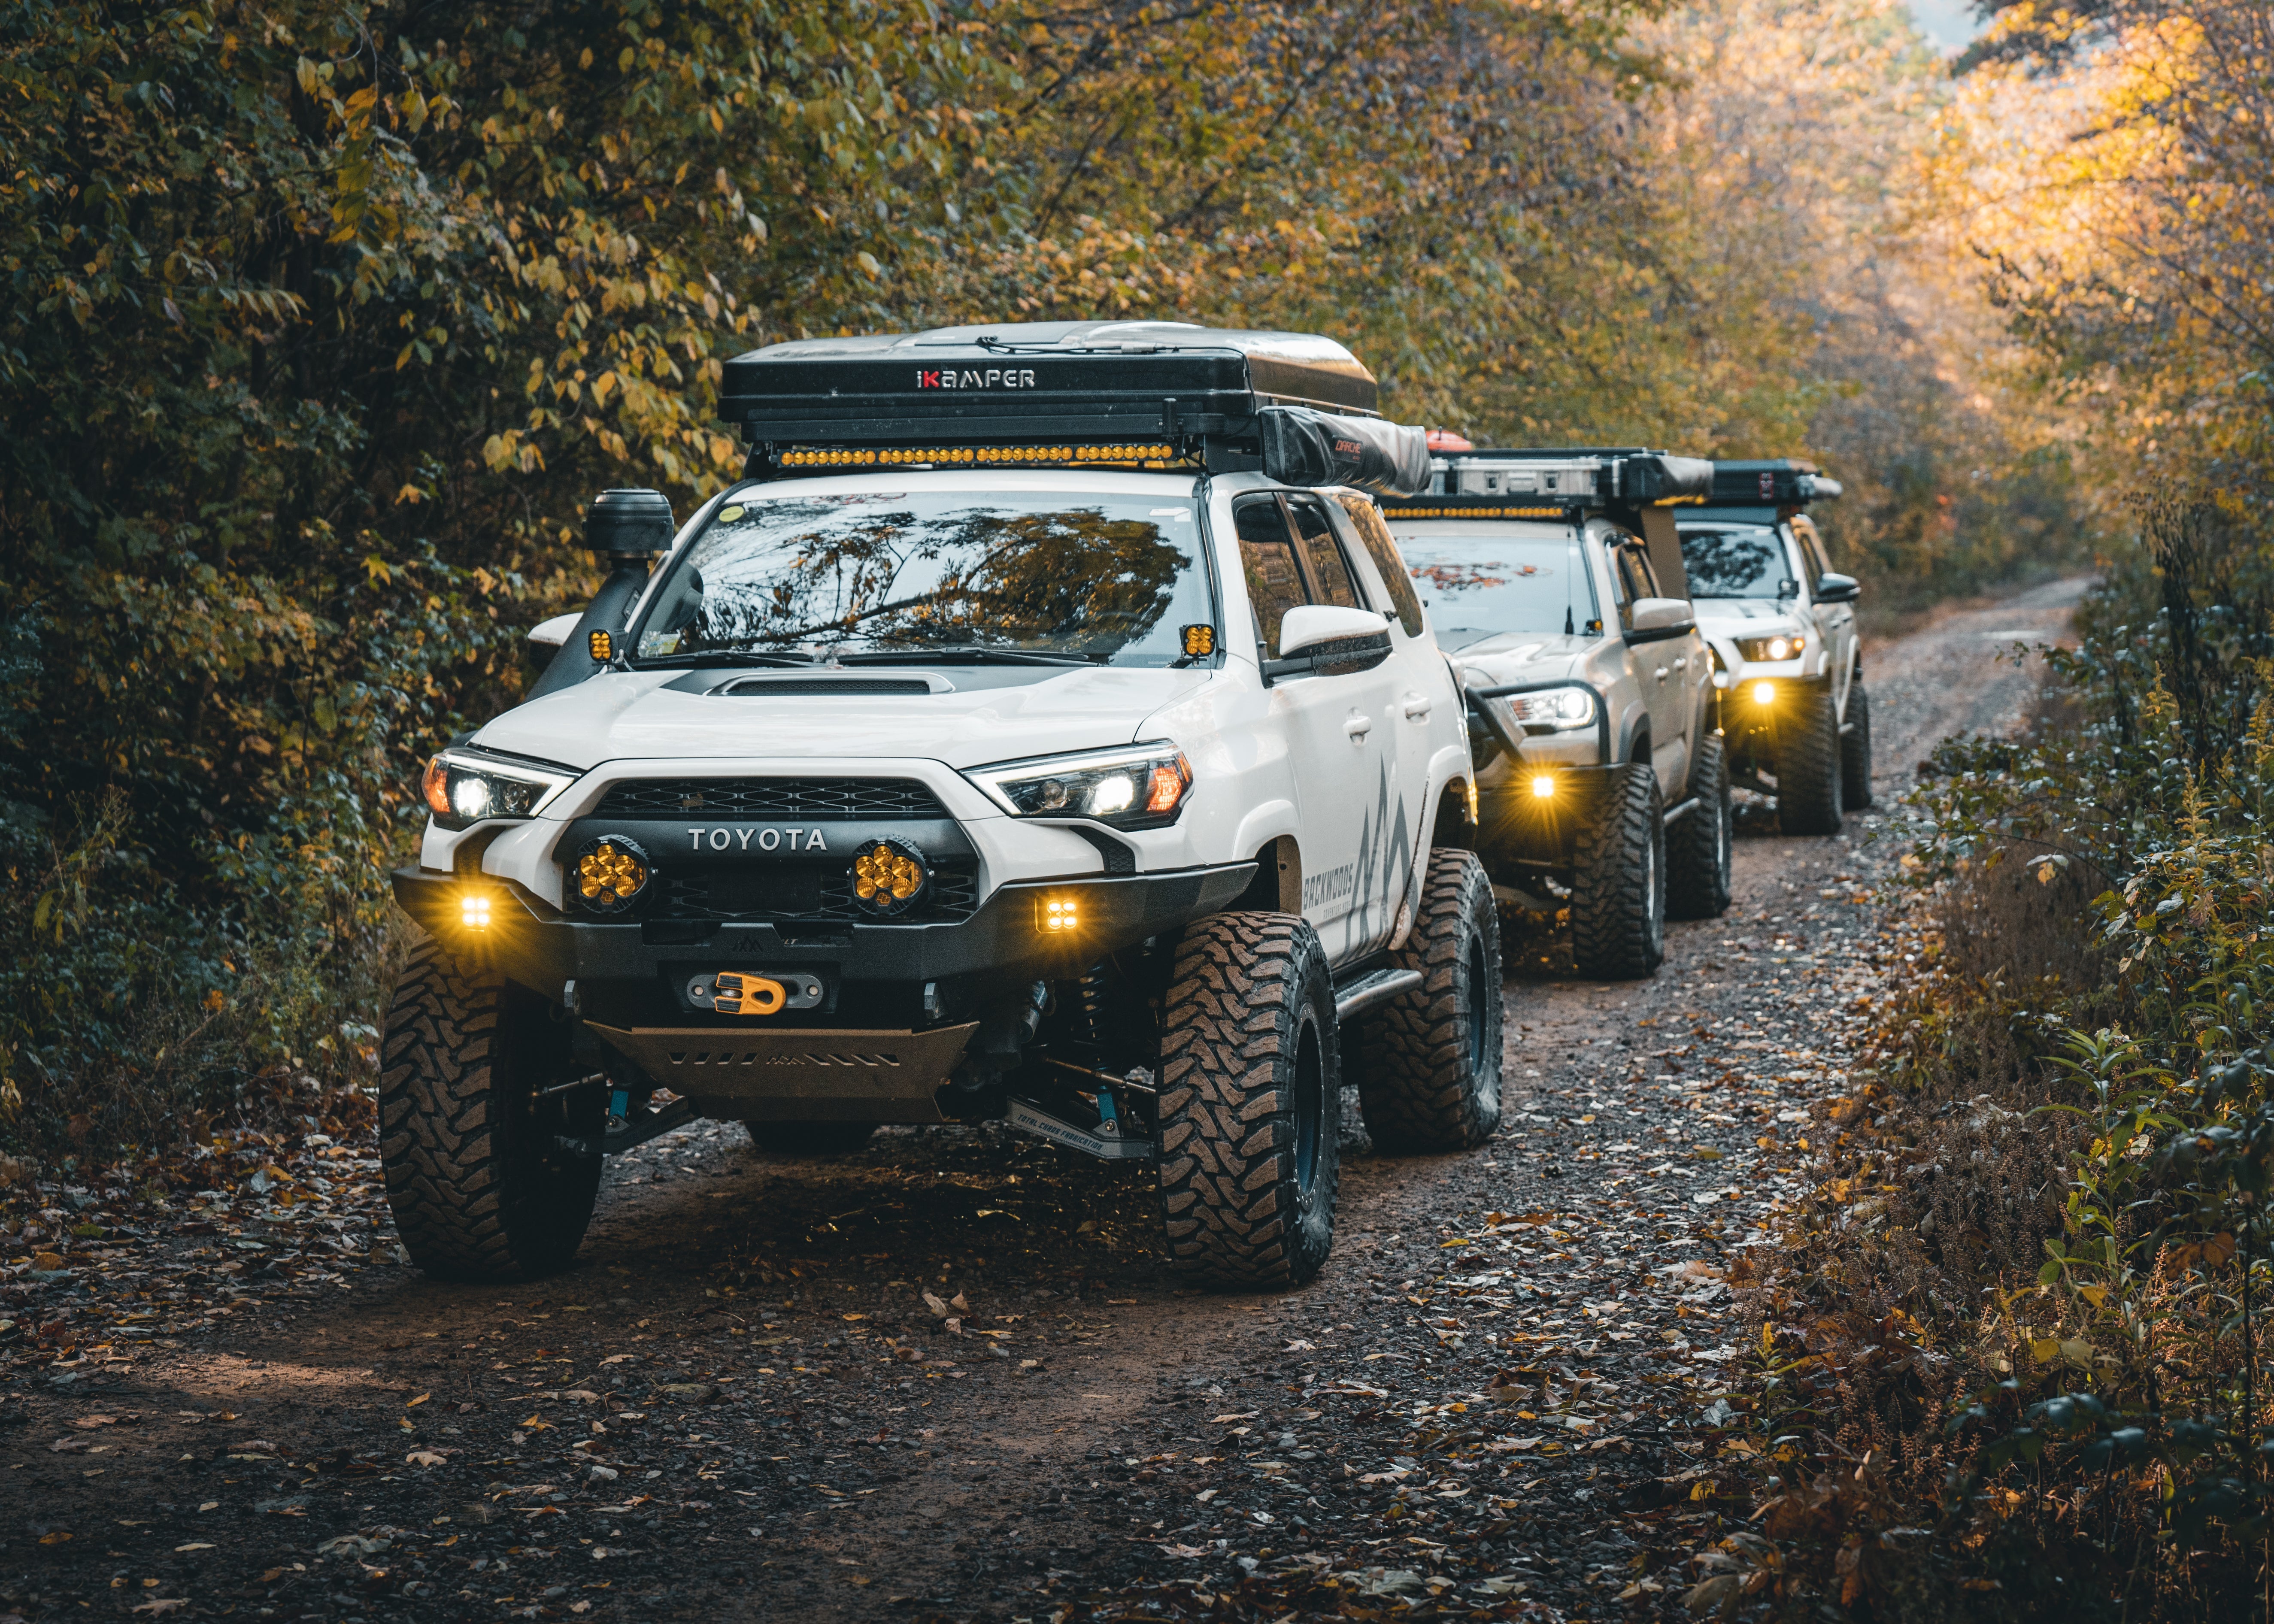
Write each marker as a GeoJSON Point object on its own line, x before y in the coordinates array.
{"type": "Point", "coordinates": [611, 872]}
{"type": "Point", "coordinates": [889, 876]}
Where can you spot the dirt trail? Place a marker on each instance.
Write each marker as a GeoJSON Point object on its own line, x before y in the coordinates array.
{"type": "Point", "coordinates": [741, 1402]}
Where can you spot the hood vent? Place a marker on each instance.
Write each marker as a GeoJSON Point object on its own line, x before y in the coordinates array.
{"type": "Point", "coordinates": [757, 688]}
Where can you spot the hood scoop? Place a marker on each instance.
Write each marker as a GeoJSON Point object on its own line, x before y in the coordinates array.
{"type": "Point", "coordinates": [848, 685]}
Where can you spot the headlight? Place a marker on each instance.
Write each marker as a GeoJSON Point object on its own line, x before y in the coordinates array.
{"type": "Point", "coordinates": [1778, 648]}
{"type": "Point", "coordinates": [1143, 786]}
{"type": "Point", "coordinates": [1555, 710]}
{"type": "Point", "coordinates": [463, 789]}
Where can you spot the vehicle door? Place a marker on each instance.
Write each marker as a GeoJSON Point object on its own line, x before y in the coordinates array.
{"type": "Point", "coordinates": [1665, 670]}
{"type": "Point", "coordinates": [1835, 622]}
{"type": "Point", "coordinates": [1427, 714]}
{"type": "Point", "coordinates": [1340, 728]}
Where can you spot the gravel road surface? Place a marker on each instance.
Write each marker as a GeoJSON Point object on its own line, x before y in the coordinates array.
{"type": "Point", "coordinates": [945, 1377]}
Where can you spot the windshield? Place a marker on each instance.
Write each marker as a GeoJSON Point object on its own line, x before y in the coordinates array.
{"type": "Point", "coordinates": [1480, 582]}
{"type": "Point", "coordinates": [1745, 561]}
{"type": "Point", "coordinates": [1034, 575]}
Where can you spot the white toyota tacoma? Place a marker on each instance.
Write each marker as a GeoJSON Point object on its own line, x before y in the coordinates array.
{"type": "Point", "coordinates": [1031, 733]}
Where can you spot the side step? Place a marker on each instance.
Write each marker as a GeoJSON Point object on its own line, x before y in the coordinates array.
{"type": "Point", "coordinates": [1375, 986]}
{"type": "Point", "coordinates": [1680, 809]}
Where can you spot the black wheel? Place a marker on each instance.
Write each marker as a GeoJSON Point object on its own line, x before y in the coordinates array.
{"type": "Point", "coordinates": [480, 1187]}
{"type": "Point", "coordinates": [810, 1139]}
{"type": "Point", "coordinates": [1855, 750]}
{"type": "Point", "coordinates": [1698, 845]}
{"type": "Point", "coordinates": [1428, 1061]}
{"type": "Point", "coordinates": [1618, 883]}
{"type": "Point", "coordinates": [1251, 1104]}
{"type": "Point", "coordinates": [1808, 749]}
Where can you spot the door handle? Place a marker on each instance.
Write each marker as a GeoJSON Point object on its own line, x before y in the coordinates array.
{"type": "Point", "coordinates": [1661, 673]}
{"type": "Point", "coordinates": [1417, 707]}
{"type": "Point", "coordinates": [1682, 664]}
{"type": "Point", "coordinates": [1358, 726]}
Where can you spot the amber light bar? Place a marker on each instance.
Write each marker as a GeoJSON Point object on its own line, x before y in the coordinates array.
{"type": "Point", "coordinates": [971, 456]}
{"type": "Point", "coordinates": [1470, 511]}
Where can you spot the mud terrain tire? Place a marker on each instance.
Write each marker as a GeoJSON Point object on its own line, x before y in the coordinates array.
{"type": "Point", "coordinates": [810, 1139]}
{"type": "Point", "coordinates": [1618, 881]}
{"type": "Point", "coordinates": [1808, 749]}
{"type": "Point", "coordinates": [1250, 1103]}
{"type": "Point", "coordinates": [479, 1187]}
{"type": "Point", "coordinates": [1855, 750]}
{"type": "Point", "coordinates": [1428, 1061]}
{"type": "Point", "coordinates": [1698, 845]}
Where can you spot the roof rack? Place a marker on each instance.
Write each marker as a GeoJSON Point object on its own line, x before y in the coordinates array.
{"type": "Point", "coordinates": [1082, 394]}
{"type": "Point", "coordinates": [1592, 476]}
{"type": "Point", "coordinates": [1774, 482]}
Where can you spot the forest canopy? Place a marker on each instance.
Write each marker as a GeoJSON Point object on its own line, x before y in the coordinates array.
{"type": "Point", "coordinates": [327, 319]}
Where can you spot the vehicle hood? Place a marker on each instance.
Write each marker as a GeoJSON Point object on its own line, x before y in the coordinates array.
{"type": "Point", "coordinates": [1753, 616]}
{"type": "Point", "coordinates": [632, 716]}
{"type": "Point", "coordinates": [1523, 657]}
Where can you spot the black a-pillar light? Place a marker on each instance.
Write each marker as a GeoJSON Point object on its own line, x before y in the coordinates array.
{"type": "Point", "coordinates": [628, 528]}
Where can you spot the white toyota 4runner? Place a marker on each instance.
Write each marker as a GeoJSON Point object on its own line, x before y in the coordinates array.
{"type": "Point", "coordinates": [1041, 729]}
{"type": "Point", "coordinates": [1782, 623]}
{"type": "Point", "coordinates": [1554, 580]}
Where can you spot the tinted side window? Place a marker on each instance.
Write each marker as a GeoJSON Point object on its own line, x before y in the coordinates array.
{"type": "Point", "coordinates": [1812, 550]}
{"type": "Point", "coordinates": [1329, 570]}
{"type": "Point", "coordinates": [1266, 558]}
{"type": "Point", "coordinates": [1630, 568]}
{"type": "Point", "coordinates": [1374, 531]}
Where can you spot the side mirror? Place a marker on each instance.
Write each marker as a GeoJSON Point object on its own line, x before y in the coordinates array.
{"type": "Point", "coordinates": [1329, 640]}
{"type": "Point", "coordinates": [1832, 587]}
{"type": "Point", "coordinates": [1657, 618]}
{"type": "Point", "coordinates": [552, 632]}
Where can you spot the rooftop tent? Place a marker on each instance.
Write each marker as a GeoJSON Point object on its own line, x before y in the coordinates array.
{"type": "Point", "coordinates": [1143, 394]}
{"type": "Point", "coordinates": [1776, 482]}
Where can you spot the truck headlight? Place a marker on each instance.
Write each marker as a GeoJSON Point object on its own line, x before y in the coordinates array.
{"type": "Point", "coordinates": [1140, 786]}
{"type": "Point", "coordinates": [1554, 710]}
{"type": "Point", "coordinates": [462, 789]}
{"type": "Point", "coordinates": [1783, 646]}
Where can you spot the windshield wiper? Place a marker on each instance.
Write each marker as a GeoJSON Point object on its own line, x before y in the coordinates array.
{"type": "Point", "coordinates": [720, 656]}
{"type": "Point", "coordinates": [964, 653]}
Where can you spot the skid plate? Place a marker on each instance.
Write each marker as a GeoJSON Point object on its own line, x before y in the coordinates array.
{"type": "Point", "coordinates": [797, 1074]}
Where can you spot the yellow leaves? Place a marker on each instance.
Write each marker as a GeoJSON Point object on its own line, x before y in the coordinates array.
{"type": "Point", "coordinates": [867, 261]}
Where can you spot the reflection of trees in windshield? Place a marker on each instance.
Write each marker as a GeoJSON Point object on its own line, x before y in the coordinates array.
{"type": "Point", "coordinates": [1091, 580]}
{"type": "Point", "coordinates": [1496, 584]}
{"type": "Point", "coordinates": [1743, 563]}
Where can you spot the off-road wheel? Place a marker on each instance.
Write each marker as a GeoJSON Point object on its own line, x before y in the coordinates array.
{"type": "Point", "coordinates": [1698, 845]}
{"type": "Point", "coordinates": [1250, 1103]}
{"type": "Point", "coordinates": [1428, 1061]}
{"type": "Point", "coordinates": [1855, 750]}
{"type": "Point", "coordinates": [810, 1139]}
{"type": "Point", "coordinates": [480, 1187]}
{"type": "Point", "coordinates": [1808, 747]}
{"type": "Point", "coordinates": [1618, 882]}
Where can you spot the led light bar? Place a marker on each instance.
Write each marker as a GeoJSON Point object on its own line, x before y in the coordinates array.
{"type": "Point", "coordinates": [1472, 510]}
{"type": "Point", "coordinates": [1145, 454]}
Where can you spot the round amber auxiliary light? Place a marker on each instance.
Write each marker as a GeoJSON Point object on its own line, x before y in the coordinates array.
{"type": "Point", "coordinates": [610, 874]}
{"type": "Point", "coordinates": [887, 877]}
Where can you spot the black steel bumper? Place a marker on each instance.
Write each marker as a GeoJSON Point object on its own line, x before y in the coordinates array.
{"type": "Point", "coordinates": [1519, 828]}
{"type": "Point", "coordinates": [536, 944]}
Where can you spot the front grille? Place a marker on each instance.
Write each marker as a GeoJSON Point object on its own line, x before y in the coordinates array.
{"type": "Point", "coordinates": [820, 799]}
{"type": "Point", "coordinates": [808, 896]}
